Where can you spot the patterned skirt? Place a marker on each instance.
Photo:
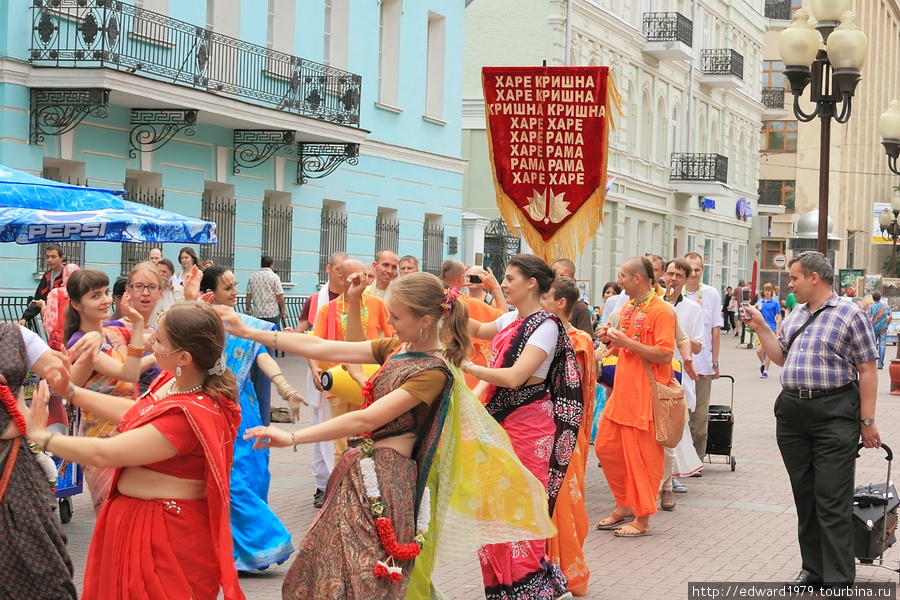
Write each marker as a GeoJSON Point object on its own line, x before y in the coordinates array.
{"type": "Point", "coordinates": [34, 562]}
{"type": "Point", "coordinates": [336, 559]}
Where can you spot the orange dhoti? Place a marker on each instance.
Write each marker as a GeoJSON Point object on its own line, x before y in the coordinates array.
{"type": "Point", "coordinates": [632, 462]}
{"type": "Point", "coordinates": [566, 548]}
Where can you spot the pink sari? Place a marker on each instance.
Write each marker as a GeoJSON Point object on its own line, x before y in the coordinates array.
{"type": "Point", "coordinates": [542, 422]}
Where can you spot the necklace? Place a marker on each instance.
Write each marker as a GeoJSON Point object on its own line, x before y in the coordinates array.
{"type": "Point", "coordinates": [172, 389]}
{"type": "Point", "coordinates": [633, 324]}
{"type": "Point", "coordinates": [363, 314]}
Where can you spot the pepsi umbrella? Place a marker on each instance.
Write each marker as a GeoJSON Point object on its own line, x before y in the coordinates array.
{"type": "Point", "coordinates": [36, 210]}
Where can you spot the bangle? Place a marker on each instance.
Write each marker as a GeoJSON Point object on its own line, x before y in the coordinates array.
{"type": "Point", "coordinates": [715, 363]}
{"type": "Point", "coordinates": [287, 392]}
{"type": "Point", "coordinates": [46, 440]}
{"type": "Point", "coordinates": [279, 374]}
{"type": "Point", "coordinates": [293, 441]}
{"type": "Point", "coordinates": [135, 352]}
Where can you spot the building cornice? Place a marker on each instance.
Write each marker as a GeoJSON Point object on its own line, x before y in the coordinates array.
{"type": "Point", "coordinates": [412, 156]}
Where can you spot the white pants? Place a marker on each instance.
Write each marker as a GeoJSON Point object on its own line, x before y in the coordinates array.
{"type": "Point", "coordinates": [323, 452]}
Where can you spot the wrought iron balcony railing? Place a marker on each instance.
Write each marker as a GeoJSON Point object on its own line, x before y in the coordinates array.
{"type": "Point", "coordinates": [776, 193]}
{"type": "Point", "coordinates": [722, 62]}
{"type": "Point", "coordinates": [668, 27]}
{"type": "Point", "coordinates": [773, 98]}
{"type": "Point", "coordinates": [699, 167]}
{"type": "Point", "coordinates": [778, 9]}
{"type": "Point", "coordinates": [115, 35]}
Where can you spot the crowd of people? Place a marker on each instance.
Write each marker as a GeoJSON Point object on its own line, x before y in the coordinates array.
{"type": "Point", "coordinates": [464, 381]}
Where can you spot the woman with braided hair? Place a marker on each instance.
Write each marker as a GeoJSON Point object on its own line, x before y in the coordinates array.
{"type": "Point", "coordinates": [393, 491]}
{"type": "Point", "coordinates": [164, 532]}
{"type": "Point", "coordinates": [34, 563]}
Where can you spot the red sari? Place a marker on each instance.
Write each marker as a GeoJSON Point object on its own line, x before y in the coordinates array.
{"type": "Point", "coordinates": [166, 549]}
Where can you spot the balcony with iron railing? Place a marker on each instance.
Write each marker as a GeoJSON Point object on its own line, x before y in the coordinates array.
{"type": "Point", "coordinates": [699, 174]}
{"type": "Point", "coordinates": [722, 68]}
{"type": "Point", "coordinates": [779, 10]}
{"type": "Point", "coordinates": [110, 34]}
{"type": "Point", "coordinates": [773, 200]}
{"type": "Point", "coordinates": [669, 36]}
{"type": "Point", "coordinates": [773, 103]}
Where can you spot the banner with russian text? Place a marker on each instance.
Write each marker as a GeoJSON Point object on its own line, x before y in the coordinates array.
{"type": "Point", "coordinates": [548, 137]}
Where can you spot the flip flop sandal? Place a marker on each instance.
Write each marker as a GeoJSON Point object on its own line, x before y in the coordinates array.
{"type": "Point", "coordinates": [641, 531]}
{"type": "Point", "coordinates": [620, 521]}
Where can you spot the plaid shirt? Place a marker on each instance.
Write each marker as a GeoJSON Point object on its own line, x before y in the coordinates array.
{"type": "Point", "coordinates": [824, 356]}
{"type": "Point", "coordinates": [264, 287]}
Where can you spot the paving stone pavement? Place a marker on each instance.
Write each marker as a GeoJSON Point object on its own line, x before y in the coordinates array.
{"type": "Point", "coordinates": [729, 526]}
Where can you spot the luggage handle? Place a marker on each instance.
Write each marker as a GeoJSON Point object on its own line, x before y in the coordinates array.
{"type": "Point", "coordinates": [885, 447]}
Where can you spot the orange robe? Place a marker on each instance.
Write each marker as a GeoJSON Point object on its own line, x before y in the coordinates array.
{"type": "Point", "coordinates": [626, 443]}
{"type": "Point", "coordinates": [328, 327]}
{"type": "Point", "coordinates": [566, 548]}
{"type": "Point", "coordinates": [482, 312]}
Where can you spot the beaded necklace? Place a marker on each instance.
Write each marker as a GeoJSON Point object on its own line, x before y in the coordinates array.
{"type": "Point", "coordinates": [633, 316]}
{"type": "Point", "coordinates": [363, 313]}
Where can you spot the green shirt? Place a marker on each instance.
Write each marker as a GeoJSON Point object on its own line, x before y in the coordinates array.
{"type": "Point", "coordinates": [790, 302]}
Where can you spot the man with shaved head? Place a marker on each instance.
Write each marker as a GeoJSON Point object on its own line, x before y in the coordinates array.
{"type": "Point", "coordinates": [334, 321]}
{"type": "Point", "coordinates": [626, 443]}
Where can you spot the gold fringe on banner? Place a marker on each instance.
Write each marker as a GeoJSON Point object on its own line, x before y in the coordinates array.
{"type": "Point", "coordinates": [569, 240]}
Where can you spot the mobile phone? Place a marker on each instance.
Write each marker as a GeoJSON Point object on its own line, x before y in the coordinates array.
{"type": "Point", "coordinates": [745, 296]}
{"type": "Point", "coordinates": [474, 279]}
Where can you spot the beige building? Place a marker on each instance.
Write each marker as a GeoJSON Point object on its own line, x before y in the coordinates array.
{"type": "Point", "coordinates": [859, 175]}
{"type": "Point", "coordinates": [684, 158]}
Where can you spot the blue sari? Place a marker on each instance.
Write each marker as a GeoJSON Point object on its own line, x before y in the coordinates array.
{"type": "Point", "coordinates": [260, 539]}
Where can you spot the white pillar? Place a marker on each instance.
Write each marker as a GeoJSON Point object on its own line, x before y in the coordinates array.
{"type": "Point", "coordinates": [473, 227]}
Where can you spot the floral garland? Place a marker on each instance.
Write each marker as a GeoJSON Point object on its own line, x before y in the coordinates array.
{"type": "Point", "coordinates": [633, 324]}
{"type": "Point", "coordinates": [383, 525]}
{"type": "Point", "coordinates": [363, 314]}
{"type": "Point", "coordinates": [46, 463]}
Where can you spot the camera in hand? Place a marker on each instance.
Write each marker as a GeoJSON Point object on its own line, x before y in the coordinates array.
{"type": "Point", "coordinates": [474, 279]}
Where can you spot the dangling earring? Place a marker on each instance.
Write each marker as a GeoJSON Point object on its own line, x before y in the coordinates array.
{"type": "Point", "coordinates": [178, 371]}
{"type": "Point", "coordinates": [425, 339]}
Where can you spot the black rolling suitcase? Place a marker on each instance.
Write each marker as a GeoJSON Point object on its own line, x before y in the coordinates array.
{"type": "Point", "coordinates": [875, 516]}
{"type": "Point", "coordinates": [720, 430]}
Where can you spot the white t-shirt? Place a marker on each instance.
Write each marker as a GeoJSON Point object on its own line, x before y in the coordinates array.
{"type": "Point", "coordinates": [34, 345]}
{"type": "Point", "coordinates": [544, 337]}
{"type": "Point", "coordinates": [710, 301]}
{"type": "Point", "coordinates": [690, 317]}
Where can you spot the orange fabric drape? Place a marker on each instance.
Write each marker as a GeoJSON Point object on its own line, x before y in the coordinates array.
{"type": "Point", "coordinates": [482, 312]}
{"type": "Point", "coordinates": [566, 548]}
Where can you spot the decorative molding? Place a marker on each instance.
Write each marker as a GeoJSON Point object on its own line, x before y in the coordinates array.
{"type": "Point", "coordinates": [321, 160]}
{"type": "Point", "coordinates": [57, 111]}
{"type": "Point", "coordinates": [253, 147]}
{"type": "Point", "coordinates": [155, 127]}
{"type": "Point", "coordinates": [412, 156]}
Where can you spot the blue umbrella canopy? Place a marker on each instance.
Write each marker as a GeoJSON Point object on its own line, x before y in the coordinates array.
{"type": "Point", "coordinates": [36, 210]}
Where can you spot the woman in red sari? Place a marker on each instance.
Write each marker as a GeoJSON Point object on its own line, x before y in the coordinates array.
{"type": "Point", "coordinates": [534, 392]}
{"type": "Point", "coordinates": [165, 532]}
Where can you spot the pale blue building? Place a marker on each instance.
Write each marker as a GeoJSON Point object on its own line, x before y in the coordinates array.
{"type": "Point", "coordinates": [299, 127]}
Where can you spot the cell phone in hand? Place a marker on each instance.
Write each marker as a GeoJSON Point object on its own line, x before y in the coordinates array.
{"type": "Point", "coordinates": [474, 279]}
{"type": "Point", "coordinates": [745, 302]}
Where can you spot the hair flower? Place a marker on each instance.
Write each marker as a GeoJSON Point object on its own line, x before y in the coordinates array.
{"type": "Point", "coordinates": [450, 295]}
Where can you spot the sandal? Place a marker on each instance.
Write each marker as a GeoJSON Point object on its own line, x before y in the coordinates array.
{"type": "Point", "coordinates": [641, 532]}
{"type": "Point", "coordinates": [618, 519]}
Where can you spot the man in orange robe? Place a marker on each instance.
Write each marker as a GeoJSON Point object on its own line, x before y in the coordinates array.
{"type": "Point", "coordinates": [566, 548]}
{"type": "Point", "coordinates": [333, 323]}
{"type": "Point", "coordinates": [626, 443]}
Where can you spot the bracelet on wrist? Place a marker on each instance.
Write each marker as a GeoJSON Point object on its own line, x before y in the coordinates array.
{"type": "Point", "coordinates": [43, 445]}
{"type": "Point", "coordinates": [135, 351]}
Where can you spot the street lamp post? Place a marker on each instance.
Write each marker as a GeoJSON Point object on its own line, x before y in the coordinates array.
{"type": "Point", "coordinates": [829, 57]}
{"type": "Point", "coordinates": [890, 231]}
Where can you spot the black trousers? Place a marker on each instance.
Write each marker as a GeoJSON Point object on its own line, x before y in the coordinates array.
{"type": "Point", "coordinates": [818, 439]}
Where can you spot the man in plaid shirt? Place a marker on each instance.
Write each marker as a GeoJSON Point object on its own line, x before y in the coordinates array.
{"type": "Point", "coordinates": [827, 350]}
{"type": "Point", "coordinates": [265, 296]}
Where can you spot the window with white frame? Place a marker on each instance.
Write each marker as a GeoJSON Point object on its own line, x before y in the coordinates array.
{"type": "Point", "coordinates": [742, 262]}
{"type": "Point", "coordinates": [389, 52]}
{"type": "Point", "coordinates": [691, 243]}
{"type": "Point", "coordinates": [434, 74]}
{"type": "Point", "coordinates": [335, 51]}
{"type": "Point", "coordinates": [726, 263]}
{"type": "Point", "coordinates": [708, 256]}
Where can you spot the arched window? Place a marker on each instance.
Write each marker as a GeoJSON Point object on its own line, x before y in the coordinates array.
{"type": "Point", "coordinates": [674, 142]}
{"type": "Point", "coordinates": [646, 124]}
{"type": "Point", "coordinates": [660, 149]}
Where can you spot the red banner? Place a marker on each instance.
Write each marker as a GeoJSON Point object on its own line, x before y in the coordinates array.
{"type": "Point", "coordinates": [548, 137]}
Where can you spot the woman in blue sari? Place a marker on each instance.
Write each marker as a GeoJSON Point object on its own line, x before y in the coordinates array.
{"type": "Point", "coordinates": [260, 539]}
